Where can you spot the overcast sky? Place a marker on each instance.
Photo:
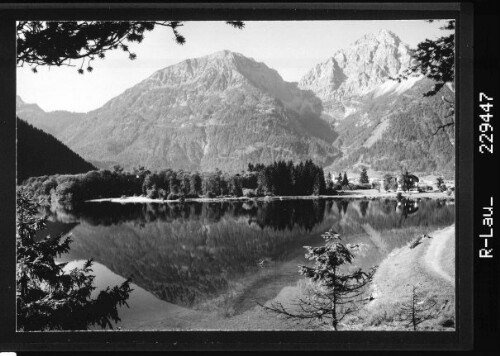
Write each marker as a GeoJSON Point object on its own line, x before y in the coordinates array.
{"type": "Point", "coordinates": [290, 47]}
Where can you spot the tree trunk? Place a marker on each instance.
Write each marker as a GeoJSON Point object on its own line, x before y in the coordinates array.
{"type": "Point", "coordinates": [334, 316]}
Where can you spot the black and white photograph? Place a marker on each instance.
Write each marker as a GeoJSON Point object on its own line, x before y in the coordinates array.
{"type": "Point", "coordinates": [236, 175]}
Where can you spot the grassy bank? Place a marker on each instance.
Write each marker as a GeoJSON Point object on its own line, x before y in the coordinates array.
{"type": "Point", "coordinates": [429, 267]}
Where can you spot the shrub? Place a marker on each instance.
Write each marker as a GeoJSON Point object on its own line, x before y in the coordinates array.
{"type": "Point", "coordinates": [416, 241]}
{"type": "Point", "coordinates": [172, 196]}
{"type": "Point", "coordinates": [152, 193]}
{"type": "Point", "coordinates": [363, 186]}
{"type": "Point", "coordinates": [376, 185]}
{"type": "Point", "coordinates": [249, 193]}
{"type": "Point", "coordinates": [162, 193]}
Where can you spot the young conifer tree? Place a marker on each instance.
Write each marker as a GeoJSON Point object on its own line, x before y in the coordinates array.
{"type": "Point", "coordinates": [416, 311]}
{"type": "Point", "coordinates": [363, 177]}
{"type": "Point", "coordinates": [345, 180]}
{"type": "Point", "coordinates": [334, 291]}
{"type": "Point", "coordinates": [339, 178]}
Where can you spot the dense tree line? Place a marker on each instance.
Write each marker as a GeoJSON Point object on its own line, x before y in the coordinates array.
{"type": "Point", "coordinates": [279, 178]}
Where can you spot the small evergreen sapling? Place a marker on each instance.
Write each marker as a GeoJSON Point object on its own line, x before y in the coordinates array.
{"type": "Point", "coordinates": [416, 311]}
{"type": "Point", "coordinates": [334, 292]}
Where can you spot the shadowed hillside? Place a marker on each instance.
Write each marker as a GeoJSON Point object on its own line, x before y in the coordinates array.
{"type": "Point", "coordinates": [39, 153]}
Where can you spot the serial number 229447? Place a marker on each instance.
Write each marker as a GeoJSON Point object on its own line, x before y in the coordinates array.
{"type": "Point", "coordinates": [486, 127]}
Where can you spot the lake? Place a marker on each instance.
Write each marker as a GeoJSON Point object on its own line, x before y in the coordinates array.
{"type": "Point", "coordinates": [207, 265]}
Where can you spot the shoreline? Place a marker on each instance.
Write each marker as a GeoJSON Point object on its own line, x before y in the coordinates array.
{"type": "Point", "coordinates": [353, 194]}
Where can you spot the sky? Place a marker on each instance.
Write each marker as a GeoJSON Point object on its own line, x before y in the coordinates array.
{"type": "Point", "coordinates": [290, 47]}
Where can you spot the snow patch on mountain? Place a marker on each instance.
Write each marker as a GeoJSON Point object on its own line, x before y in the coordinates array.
{"type": "Point", "coordinates": [393, 87]}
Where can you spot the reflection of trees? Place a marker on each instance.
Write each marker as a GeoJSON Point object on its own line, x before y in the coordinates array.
{"type": "Point", "coordinates": [342, 205]}
{"type": "Point", "coordinates": [185, 253]}
{"type": "Point", "coordinates": [389, 206]}
{"type": "Point", "coordinates": [185, 262]}
{"type": "Point", "coordinates": [329, 206]}
{"type": "Point", "coordinates": [363, 207]}
{"type": "Point", "coordinates": [385, 215]}
{"type": "Point", "coordinates": [406, 207]}
{"type": "Point", "coordinates": [440, 203]}
{"type": "Point", "coordinates": [279, 215]}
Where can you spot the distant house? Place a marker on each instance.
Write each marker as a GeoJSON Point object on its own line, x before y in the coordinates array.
{"type": "Point", "coordinates": [412, 178]}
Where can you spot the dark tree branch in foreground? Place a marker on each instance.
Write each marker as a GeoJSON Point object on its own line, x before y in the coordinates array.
{"type": "Point", "coordinates": [47, 43]}
{"type": "Point", "coordinates": [435, 59]}
{"type": "Point", "coordinates": [333, 293]}
{"type": "Point", "coordinates": [451, 112]}
{"type": "Point", "coordinates": [49, 297]}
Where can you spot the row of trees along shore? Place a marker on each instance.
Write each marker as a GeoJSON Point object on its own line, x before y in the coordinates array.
{"type": "Point", "coordinates": [279, 178]}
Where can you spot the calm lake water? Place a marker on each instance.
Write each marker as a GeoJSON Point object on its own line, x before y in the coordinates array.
{"type": "Point", "coordinates": [222, 258]}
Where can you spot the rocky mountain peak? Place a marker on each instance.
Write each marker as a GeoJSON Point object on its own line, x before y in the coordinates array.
{"type": "Point", "coordinates": [219, 74]}
{"type": "Point", "coordinates": [354, 71]}
{"type": "Point", "coordinates": [382, 36]}
{"type": "Point", "coordinates": [222, 110]}
{"type": "Point", "coordinates": [225, 54]}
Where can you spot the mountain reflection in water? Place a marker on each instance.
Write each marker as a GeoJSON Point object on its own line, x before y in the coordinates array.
{"type": "Point", "coordinates": [188, 254]}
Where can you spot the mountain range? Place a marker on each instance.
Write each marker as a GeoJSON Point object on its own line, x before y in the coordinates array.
{"type": "Point", "coordinates": [225, 110]}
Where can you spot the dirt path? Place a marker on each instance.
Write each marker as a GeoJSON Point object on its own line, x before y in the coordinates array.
{"type": "Point", "coordinates": [433, 256]}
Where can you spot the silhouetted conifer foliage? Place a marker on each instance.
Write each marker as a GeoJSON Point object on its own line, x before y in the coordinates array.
{"type": "Point", "coordinates": [56, 43]}
{"type": "Point", "coordinates": [39, 153]}
{"type": "Point", "coordinates": [436, 60]}
{"type": "Point", "coordinates": [48, 297]}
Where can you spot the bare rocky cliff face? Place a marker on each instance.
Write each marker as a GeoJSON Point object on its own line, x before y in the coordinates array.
{"type": "Point", "coordinates": [343, 79]}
